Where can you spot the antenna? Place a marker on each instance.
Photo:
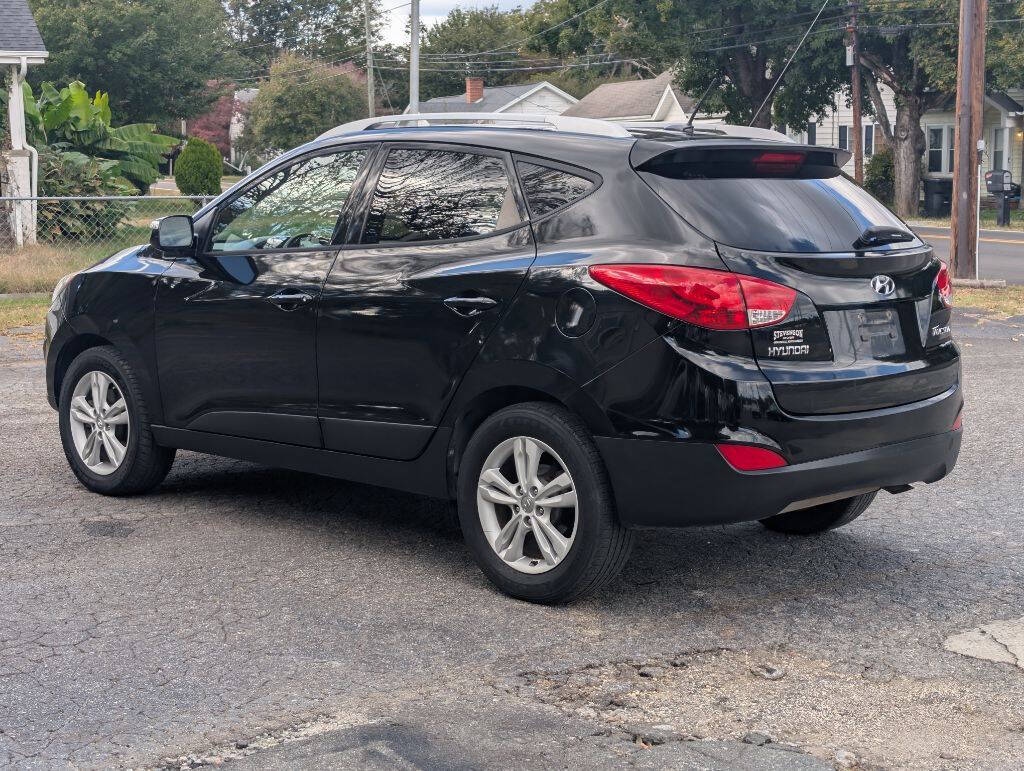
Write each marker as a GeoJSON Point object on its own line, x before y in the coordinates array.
{"type": "Point", "coordinates": [700, 102]}
{"type": "Point", "coordinates": [786, 67]}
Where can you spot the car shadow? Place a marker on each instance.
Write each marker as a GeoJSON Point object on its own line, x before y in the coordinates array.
{"type": "Point", "coordinates": [736, 568]}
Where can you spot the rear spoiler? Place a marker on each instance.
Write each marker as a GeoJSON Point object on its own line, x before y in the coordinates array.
{"type": "Point", "coordinates": [645, 150]}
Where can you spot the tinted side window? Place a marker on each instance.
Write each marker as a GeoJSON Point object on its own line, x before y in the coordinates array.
{"type": "Point", "coordinates": [439, 195]}
{"type": "Point", "coordinates": [295, 207]}
{"type": "Point", "coordinates": [547, 189]}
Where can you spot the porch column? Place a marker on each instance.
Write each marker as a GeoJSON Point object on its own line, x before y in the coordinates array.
{"type": "Point", "coordinates": [19, 166]}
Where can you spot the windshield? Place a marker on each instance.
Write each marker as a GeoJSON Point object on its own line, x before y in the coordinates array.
{"type": "Point", "coordinates": [774, 214]}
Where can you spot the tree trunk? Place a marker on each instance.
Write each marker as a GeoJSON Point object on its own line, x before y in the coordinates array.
{"type": "Point", "coordinates": [908, 145]}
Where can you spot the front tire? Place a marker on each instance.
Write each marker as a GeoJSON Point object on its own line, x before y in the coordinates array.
{"type": "Point", "coordinates": [104, 426]}
{"type": "Point", "coordinates": [536, 508]}
{"type": "Point", "coordinates": [818, 519]}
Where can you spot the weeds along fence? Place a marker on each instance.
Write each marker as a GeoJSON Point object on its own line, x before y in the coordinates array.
{"type": "Point", "coordinates": [71, 233]}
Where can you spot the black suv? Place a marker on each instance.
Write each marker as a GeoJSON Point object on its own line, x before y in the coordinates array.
{"type": "Point", "coordinates": [572, 335]}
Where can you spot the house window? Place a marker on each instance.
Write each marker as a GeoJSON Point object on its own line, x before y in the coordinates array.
{"type": "Point", "coordinates": [940, 149]}
{"type": "Point", "coordinates": [812, 133]}
{"type": "Point", "coordinates": [869, 140]}
{"type": "Point", "coordinates": [998, 148]}
{"type": "Point", "coordinates": [844, 137]}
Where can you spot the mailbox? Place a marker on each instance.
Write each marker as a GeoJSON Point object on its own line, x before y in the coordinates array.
{"type": "Point", "coordinates": [998, 181]}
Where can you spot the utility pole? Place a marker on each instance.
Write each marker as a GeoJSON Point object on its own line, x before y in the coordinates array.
{"type": "Point", "coordinates": [858, 126]}
{"type": "Point", "coordinates": [414, 59]}
{"type": "Point", "coordinates": [970, 94]}
{"type": "Point", "coordinates": [371, 97]}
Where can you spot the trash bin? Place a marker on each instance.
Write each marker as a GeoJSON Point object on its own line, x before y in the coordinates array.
{"type": "Point", "coordinates": [938, 197]}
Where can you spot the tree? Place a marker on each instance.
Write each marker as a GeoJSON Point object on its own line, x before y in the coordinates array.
{"type": "Point", "coordinates": [153, 56]}
{"type": "Point", "coordinates": [747, 43]}
{"type": "Point", "coordinates": [322, 29]}
{"type": "Point", "coordinates": [198, 169]}
{"type": "Point", "coordinates": [468, 31]}
{"type": "Point", "coordinates": [298, 101]}
{"type": "Point", "coordinates": [214, 125]}
{"type": "Point", "coordinates": [916, 58]}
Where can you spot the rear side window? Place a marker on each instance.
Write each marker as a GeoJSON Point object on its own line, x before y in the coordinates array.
{"type": "Point", "coordinates": [769, 206]}
{"type": "Point", "coordinates": [547, 189]}
{"type": "Point", "coordinates": [439, 195]}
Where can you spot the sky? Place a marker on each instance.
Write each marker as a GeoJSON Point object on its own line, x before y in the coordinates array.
{"type": "Point", "coordinates": [432, 11]}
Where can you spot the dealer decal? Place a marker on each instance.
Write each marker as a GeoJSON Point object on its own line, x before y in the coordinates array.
{"type": "Point", "coordinates": [788, 342]}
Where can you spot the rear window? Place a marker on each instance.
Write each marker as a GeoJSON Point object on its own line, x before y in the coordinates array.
{"type": "Point", "coordinates": [770, 207]}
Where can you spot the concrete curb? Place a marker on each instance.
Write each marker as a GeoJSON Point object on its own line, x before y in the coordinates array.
{"type": "Point", "coordinates": [980, 283]}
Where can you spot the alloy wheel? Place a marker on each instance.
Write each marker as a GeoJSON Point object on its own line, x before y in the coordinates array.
{"type": "Point", "coordinates": [527, 504]}
{"type": "Point", "coordinates": [99, 423]}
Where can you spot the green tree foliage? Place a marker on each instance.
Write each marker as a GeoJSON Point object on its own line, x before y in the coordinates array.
{"type": "Point", "coordinates": [297, 102]}
{"type": "Point", "coordinates": [879, 177]}
{"type": "Point", "coordinates": [154, 56]}
{"type": "Point", "coordinates": [744, 44]}
{"type": "Point", "coordinates": [69, 121]}
{"type": "Point", "coordinates": [198, 169]}
{"type": "Point", "coordinates": [916, 57]}
{"type": "Point", "coordinates": [322, 29]}
{"type": "Point", "coordinates": [468, 31]}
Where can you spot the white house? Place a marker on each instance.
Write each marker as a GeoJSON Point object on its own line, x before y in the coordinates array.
{"type": "Point", "coordinates": [20, 47]}
{"type": "Point", "coordinates": [543, 98]}
{"type": "Point", "coordinates": [1003, 132]}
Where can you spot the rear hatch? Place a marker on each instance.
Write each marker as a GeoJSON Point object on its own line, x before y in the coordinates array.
{"type": "Point", "coordinates": [869, 326]}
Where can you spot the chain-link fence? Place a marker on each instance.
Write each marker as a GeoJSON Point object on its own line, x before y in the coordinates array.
{"type": "Point", "coordinates": [42, 239]}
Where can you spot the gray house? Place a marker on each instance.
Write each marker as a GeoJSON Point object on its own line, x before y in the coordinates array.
{"type": "Point", "coordinates": [20, 47]}
{"type": "Point", "coordinates": [536, 98]}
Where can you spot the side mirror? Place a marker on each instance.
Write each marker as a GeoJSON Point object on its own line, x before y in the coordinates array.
{"type": "Point", "coordinates": [173, 234]}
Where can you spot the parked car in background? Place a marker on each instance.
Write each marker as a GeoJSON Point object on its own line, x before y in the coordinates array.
{"type": "Point", "coordinates": [572, 333]}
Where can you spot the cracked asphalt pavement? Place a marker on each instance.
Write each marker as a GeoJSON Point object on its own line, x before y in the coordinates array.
{"type": "Point", "coordinates": [262, 619]}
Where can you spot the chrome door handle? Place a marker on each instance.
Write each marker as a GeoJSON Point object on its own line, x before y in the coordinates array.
{"type": "Point", "coordinates": [289, 301]}
{"type": "Point", "coordinates": [470, 306]}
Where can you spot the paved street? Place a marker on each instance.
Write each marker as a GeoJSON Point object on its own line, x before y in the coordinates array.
{"type": "Point", "coordinates": [271, 619]}
{"type": "Point", "coordinates": [1000, 252]}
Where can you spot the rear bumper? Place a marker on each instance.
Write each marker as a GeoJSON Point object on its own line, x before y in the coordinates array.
{"type": "Point", "coordinates": [677, 484]}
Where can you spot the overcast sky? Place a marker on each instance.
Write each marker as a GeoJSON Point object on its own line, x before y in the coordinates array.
{"type": "Point", "coordinates": [433, 10]}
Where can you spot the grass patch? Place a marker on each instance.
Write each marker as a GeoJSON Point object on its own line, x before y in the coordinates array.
{"type": "Point", "coordinates": [38, 268]}
{"type": "Point", "coordinates": [988, 221]}
{"type": "Point", "coordinates": [22, 312]}
{"type": "Point", "coordinates": [1005, 302]}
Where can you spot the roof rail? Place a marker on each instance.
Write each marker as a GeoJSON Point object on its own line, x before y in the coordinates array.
{"type": "Point", "coordinates": [508, 120]}
{"type": "Point", "coordinates": [707, 127]}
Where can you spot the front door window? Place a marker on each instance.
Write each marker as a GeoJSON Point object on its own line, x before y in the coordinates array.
{"type": "Point", "coordinates": [295, 207]}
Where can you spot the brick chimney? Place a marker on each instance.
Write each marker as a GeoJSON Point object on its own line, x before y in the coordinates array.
{"type": "Point", "coordinates": [474, 90]}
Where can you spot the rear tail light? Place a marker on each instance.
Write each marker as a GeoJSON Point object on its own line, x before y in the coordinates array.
{"type": "Point", "coordinates": [745, 457]}
{"type": "Point", "coordinates": [713, 299]}
{"type": "Point", "coordinates": [943, 285]}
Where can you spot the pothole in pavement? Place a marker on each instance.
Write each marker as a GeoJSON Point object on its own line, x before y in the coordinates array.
{"type": "Point", "coordinates": [851, 714]}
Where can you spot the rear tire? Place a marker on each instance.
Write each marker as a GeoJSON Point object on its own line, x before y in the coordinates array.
{"type": "Point", "coordinates": [557, 531]}
{"type": "Point", "coordinates": [817, 519]}
{"type": "Point", "coordinates": [111, 449]}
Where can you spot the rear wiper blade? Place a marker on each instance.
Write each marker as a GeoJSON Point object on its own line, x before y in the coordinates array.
{"type": "Point", "coordinates": [881, 234]}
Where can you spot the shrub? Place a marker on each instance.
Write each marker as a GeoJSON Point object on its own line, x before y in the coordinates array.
{"type": "Point", "coordinates": [198, 169]}
{"type": "Point", "coordinates": [74, 174]}
{"type": "Point", "coordinates": [879, 176]}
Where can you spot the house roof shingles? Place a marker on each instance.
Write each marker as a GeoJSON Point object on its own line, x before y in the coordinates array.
{"type": "Point", "coordinates": [627, 99]}
{"type": "Point", "coordinates": [19, 33]}
{"type": "Point", "coordinates": [494, 98]}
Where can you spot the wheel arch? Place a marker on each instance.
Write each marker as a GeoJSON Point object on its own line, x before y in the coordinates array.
{"type": "Point", "coordinates": [485, 391]}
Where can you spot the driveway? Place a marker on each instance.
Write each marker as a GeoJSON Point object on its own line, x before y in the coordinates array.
{"type": "Point", "coordinates": [267, 619]}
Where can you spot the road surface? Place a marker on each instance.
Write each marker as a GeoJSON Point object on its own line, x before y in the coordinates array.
{"type": "Point", "coordinates": [1001, 252]}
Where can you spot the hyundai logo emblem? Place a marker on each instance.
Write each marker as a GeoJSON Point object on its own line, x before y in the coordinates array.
{"type": "Point", "coordinates": [883, 285]}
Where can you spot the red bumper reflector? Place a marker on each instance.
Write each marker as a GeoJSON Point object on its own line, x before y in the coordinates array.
{"type": "Point", "coordinates": [959, 422]}
{"type": "Point", "coordinates": [744, 457]}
